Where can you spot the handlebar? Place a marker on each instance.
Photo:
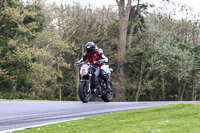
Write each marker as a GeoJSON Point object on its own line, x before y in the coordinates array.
{"type": "Point", "coordinates": [81, 63]}
{"type": "Point", "coordinates": [78, 63]}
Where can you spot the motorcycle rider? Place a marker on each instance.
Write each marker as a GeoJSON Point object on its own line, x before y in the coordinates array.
{"type": "Point", "coordinates": [96, 56]}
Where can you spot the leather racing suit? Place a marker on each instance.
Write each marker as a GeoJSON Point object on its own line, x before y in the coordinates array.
{"type": "Point", "coordinates": [99, 56]}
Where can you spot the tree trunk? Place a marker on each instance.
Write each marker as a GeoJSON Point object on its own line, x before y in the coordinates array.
{"type": "Point", "coordinates": [194, 88]}
{"type": "Point", "coordinates": [182, 92]}
{"type": "Point", "coordinates": [130, 37]}
{"type": "Point", "coordinates": [163, 86]}
{"type": "Point", "coordinates": [133, 23]}
{"type": "Point", "coordinates": [77, 82]}
{"type": "Point", "coordinates": [124, 13]}
{"type": "Point", "coordinates": [57, 83]}
{"type": "Point", "coordinates": [140, 82]}
{"type": "Point", "coordinates": [179, 89]}
{"type": "Point", "coordinates": [60, 93]}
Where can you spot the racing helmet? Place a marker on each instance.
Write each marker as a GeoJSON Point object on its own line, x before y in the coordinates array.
{"type": "Point", "coordinates": [90, 47]}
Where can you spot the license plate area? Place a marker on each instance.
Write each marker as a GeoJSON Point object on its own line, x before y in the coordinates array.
{"type": "Point", "coordinates": [84, 71]}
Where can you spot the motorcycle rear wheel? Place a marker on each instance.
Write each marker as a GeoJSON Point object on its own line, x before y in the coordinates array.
{"type": "Point", "coordinates": [108, 96]}
{"type": "Point", "coordinates": [83, 92]}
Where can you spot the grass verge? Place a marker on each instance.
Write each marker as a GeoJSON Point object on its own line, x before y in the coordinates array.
{"type": "Point", "coordinates": [182, 118]}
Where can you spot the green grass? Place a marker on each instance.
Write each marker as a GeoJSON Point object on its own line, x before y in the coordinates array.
{"type": "Point", "coordinates": [2, 99]}
{"type": "Point", "coordinates": [182, 118]}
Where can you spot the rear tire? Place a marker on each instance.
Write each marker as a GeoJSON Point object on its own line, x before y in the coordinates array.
{"type": "Point", "coordinates": [108, 96]}
{"type": "Point", "coordinates": [83, 94]}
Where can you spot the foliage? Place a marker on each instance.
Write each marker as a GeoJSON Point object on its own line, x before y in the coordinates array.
{"type": "Point", "coordinates": [18, 25]}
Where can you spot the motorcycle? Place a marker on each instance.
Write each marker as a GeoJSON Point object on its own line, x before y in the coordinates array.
{"type": "Point", "coordinates": [88, 87]}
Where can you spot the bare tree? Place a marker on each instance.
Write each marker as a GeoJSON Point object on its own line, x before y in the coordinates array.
{"type": "Point", "coordinates": [124, 13]}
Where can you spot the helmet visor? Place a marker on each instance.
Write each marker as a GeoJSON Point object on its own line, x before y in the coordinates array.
{"type": "Point", "coordinates": [90, 50]}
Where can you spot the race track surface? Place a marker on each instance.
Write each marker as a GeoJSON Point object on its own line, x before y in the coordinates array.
{"type": "Point", "coordinates": [20, 114]}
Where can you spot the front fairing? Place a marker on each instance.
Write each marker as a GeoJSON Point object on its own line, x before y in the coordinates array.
{"type": "Point", "coordinates": [85, 71]}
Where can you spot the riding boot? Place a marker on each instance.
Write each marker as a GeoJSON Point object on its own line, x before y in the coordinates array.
{"type": "Point", "coordinates": [109, 88]}
{"type": "Point", "coordinates": [106, 80]}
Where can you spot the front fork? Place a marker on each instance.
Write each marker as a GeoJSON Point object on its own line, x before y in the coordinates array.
{"type": "Point", "coordinates": [88, 83]}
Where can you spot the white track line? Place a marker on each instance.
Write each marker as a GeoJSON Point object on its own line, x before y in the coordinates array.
{"type": "Point", "coordinates": [11, 130]}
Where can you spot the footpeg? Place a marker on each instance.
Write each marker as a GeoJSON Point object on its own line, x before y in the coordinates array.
{"type": "Point", "coordinates": [110, 90]}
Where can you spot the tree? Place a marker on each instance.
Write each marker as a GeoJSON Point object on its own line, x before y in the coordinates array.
{"type": "Point", "coordinates": [83, 24]}
{"type": "Point", "coordinates": [183, 31]}
{"type": "Point", "coordinates": [19, 24]}
{"type": "Point", "coordinates": [124, 13]}
{"type": "Point", "coordinates": [167, 58]}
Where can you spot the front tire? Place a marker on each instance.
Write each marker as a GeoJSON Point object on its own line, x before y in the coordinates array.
{"type": "Point", "coordinates": [83, 92]}
{"type": "Point", "coordinates": [108, 96]}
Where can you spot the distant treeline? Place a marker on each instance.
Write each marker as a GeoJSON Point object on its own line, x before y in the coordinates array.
{"type": "Point", "coordinates": [155, 55]}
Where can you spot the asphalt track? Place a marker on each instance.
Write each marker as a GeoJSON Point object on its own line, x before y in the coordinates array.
{"type": "Point", "coordinates": [15, 115]}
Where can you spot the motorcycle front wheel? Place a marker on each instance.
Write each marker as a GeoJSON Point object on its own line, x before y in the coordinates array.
{"type": "Point", "coordinates": [83, 92]}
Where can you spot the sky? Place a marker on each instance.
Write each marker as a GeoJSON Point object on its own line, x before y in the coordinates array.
{"type": "Point", "coordinates": [194, 4]}
{"type": "Point", "coordinates": [98, 3]}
